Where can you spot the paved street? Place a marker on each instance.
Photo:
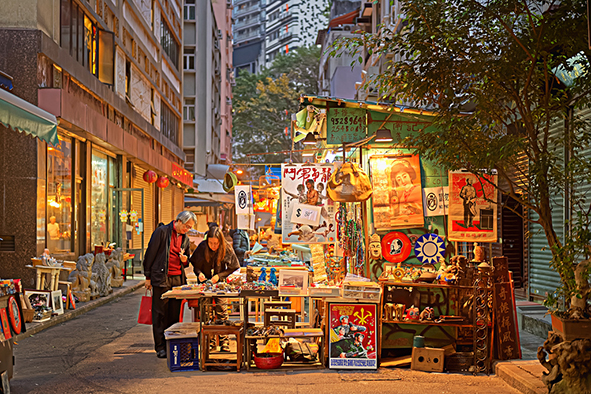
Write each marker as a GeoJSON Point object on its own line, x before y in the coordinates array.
{"type": "Point", "coordinates": [106, 351]}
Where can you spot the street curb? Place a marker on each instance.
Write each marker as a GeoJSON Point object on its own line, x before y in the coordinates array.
{"type": "Point", "coordinates": [70, 314]}
{"type": "Point", "coordinates": [519, 378]}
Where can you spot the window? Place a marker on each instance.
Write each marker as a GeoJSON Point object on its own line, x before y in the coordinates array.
{"type": "Point", "coordinates": [169, 44]}
{"type": "Point", "coordinates": [189, 11]}
{"type": "Point", "coordinates": [189, 59]}
{"type": "Point", "coordinates": [189, 110]}
{"type": "Point", "coordinates": [59, 196]}
{"type": "Point", "coordinates": [169, 123]}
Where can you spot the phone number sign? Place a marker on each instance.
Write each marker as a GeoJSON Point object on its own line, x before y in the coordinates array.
{"type": "Point", "coordinates": [345, 125]}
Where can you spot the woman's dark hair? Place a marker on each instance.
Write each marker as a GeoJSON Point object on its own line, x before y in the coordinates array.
{"type": "Point", "coordinates": [216, 232]}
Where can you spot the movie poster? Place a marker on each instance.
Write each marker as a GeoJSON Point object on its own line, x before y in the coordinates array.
{"type": "Point", "coordinates": [307, 213]}
{"type": "Point", "coordinates": [472, 207]}
{"type": "Point", "coordinates": [397, 197]}
{"type": "Point", "coordinates": [353, 336]}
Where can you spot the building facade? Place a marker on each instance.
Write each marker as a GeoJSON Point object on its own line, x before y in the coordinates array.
{"type": "Point", "coordinates": [110, 71]}
{"type": "Point", "coordinates": [249, 35]}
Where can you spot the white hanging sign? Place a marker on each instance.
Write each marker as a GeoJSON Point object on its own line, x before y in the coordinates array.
{"type": "Point", "coordinates": [436, 201]}
{"type": "Point", "coordinates": [306, 214]}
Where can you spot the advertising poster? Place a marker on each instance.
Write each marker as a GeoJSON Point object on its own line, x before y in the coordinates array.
{"type": "Point", "coordinates": [353, 336]}
{"type": "Point", "coordinates": [472, 207]}
{"type": "Point", "coordinates": [307, 214]}
{"type": "Point", "coordinates": [397, 197]}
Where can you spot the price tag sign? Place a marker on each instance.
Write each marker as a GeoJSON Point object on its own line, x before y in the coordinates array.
{"type": "Point", "coordinates": [306, 214]}
{"type": "Point", "coordinates": [345, 125]}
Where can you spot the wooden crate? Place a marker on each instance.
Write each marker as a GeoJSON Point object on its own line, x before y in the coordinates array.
{"type": "Point", "coordinates": [427, 359]}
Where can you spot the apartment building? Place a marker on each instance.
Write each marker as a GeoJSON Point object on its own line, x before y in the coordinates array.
{"type": "Point", "coordinates": [110, 72]}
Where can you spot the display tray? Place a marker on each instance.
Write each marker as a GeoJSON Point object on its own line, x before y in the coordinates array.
{"type": "Point", "coordinates": [324, 291]}
{"type": "Point", "coordinates": [259, 293]}
{"type": "Point", "coordinates": [367, 294]}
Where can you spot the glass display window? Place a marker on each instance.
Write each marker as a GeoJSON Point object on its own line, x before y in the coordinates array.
{"type": "Point", "coordinates": [59, 196]}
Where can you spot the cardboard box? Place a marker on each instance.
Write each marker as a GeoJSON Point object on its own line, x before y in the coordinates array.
{"type": "Point", "coordinates": [427, 359]}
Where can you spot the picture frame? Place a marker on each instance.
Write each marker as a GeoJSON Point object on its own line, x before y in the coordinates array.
{"type": "Point", "coordinates": [294, 279]}
{"type": "Point", "coordinates": [38, 297]}
{"type": "Point", "coordinates": [57, 303]}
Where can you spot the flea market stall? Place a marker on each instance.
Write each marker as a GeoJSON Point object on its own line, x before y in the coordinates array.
{"type": "Point", "coordinates": [374, 256]}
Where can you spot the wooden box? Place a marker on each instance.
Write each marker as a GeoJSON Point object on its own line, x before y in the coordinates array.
{"type": "Point", "coordinates": [427, 359]}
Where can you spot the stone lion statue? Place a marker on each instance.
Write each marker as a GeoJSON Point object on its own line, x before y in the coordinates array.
{"type": "Point", "coordinates": [103, 275]}
{"type": "Point", "coordinates": [114, 264]}
{"type": "Point", "coordinates": [83, 285]}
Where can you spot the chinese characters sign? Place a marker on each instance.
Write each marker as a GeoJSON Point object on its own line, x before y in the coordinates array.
{"type": "Point", "coordinates": [436, 200]}
{"type": "Point", "coordinates": [182, 175]}
{"type": "Point", "coordinates": [506, 325]}
{"type": "Point", "coordinates": [397, 198]}
{"type": "Point", "coordinates": [472, 207]}
{"type": "Point", "coordinates": [345, 125]}
{"type": "Point", "coordinates": [401, 125]}
{"type": "Point", "coordinates": [304, 188]}
{"type": "Point", "coordinates": [353, 336]}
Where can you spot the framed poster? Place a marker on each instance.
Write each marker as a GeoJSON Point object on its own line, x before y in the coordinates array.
{"type": "Point", "coordinates": [397, 196]}
{"type": "Point", "coordinates": [353, 335]}
{"type": "Point", "coordinates": [472, 207]}
{"type": "Point", "coordinates": [304, 185]}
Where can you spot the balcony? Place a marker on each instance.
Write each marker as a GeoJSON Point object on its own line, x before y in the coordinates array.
{"type": "Point", "coordinates": [236, 13]}
{"type": "Point", "coordinates": [257, 20]}
{"type": "Point", "coordinates": [246, 36]}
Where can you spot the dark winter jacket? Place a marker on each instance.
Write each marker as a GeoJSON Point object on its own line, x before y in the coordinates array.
{"type": "Point", "coordinates": [201, 265]}
{"type": "Point", "coordinates": [241, 244]}
{"type": "Point", "coordinates": [158, 252]}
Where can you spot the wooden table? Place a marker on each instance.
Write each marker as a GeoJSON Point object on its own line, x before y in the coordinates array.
{"type": "Point", "coordinates": [54, 273]}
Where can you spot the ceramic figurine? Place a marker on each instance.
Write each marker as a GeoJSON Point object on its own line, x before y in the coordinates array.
{"type": "Point", "coordinates": [412, 313]}
{"type": "Point", "coordinates": [389, 312]}
{"type": "Point", "coordinates": [250, 275]}
{"type": "Point", "coordinates": [427, 314]}
{"type": "Point", "coordinates": [273, 277]}
{"type": "Point", "coordinates": [399, 312]}
{"type": "Point", "coordinates": [478, 253]}
{"type": "Point", "coordinates": [263, 275]}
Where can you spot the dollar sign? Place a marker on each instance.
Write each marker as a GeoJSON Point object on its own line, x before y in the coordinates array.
{"type": "Point", "coordinates": [299, 212]}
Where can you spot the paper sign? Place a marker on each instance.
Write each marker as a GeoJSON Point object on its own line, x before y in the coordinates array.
{"type": "Point", "coordinates": [434, 199]}
{"type": "Point", "coordinates": [243, 197]}
{"type": "Point", "coordinates": [245, 222]}
{"type": "Point", "coordinates": [345, 125]}
{"type": "Point", "coordinates": [306, 214]}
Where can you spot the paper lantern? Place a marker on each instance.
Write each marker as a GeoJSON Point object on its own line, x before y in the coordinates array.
{"type": "Point", "coordinates": [150, 176]}
{"type": "Point", "coordinates": [162, 182]}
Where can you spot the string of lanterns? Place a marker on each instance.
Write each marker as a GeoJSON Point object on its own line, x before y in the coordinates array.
{"type": "Point", "coordinates": [162, 182]}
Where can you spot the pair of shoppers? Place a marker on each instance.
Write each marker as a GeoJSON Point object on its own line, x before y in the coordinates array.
{"type": "Point", "coordinates": [164, 263]}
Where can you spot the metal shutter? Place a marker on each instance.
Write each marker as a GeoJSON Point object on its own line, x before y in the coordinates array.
{"type": "Point", "coordinates": [148, 214]}
{"type": "Point", "coordinates": [166, 214]}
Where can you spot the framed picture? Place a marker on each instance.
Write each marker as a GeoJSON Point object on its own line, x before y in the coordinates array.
{"type": "Point", "coordinates": [353, 335]}
{"type": "Point", "coordinates": [56, 302]}
{"type": "Point", "coordinates": [38, 298]}
{"type": "Point", "coordinates": [296, 279]}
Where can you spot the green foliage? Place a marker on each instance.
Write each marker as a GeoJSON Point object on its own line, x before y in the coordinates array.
{"type": "Point", "coordinates": [489, 69]}
{"type": "Point", "coordinates": [263, 104]}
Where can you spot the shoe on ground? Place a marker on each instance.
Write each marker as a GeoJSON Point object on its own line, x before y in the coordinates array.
{"type": "Point", "coordinates": [161, 354]}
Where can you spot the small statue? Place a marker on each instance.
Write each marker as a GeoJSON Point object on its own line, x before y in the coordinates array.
{"type": "Point", "coordinates": [263, 275]}
{"type": "Point", "coordinates": [103, 275]}
{"type": "Point", "coordinates": [427, 314]}
{"type": "Point", "coordinates": [389, 312]}
{"type": "Point", "coordinates": [399, 312]}
{"type": "Point", "coordinates": [478, 253]}
{"type": "Point", "coordinates": [114, 264]}
{"type": "Point", "coordinates": [375, 247]}
{"type": "Point", "coordinates": [83, 287]}
{"type": "Point", "coordinates": [250, 275]}
{"type": "Point", "coordinates": [273, 277]}
{"type": "Point", "coordinates": [412, 314]}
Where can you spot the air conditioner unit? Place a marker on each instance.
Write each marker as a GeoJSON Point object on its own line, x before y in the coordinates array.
{"type": "Point", "coordinates": [219, 35]}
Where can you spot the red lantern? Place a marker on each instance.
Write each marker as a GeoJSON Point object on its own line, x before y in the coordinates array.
{"type": "Point", "coordinates": [162, 182]}
{"type": "Point", "coordinates": [150, 176]}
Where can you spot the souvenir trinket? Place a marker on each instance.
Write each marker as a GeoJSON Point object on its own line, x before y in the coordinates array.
{"type": "Point", "coordinates": [412, 314]}
{"type": "Point", "coordinates": [427, 314]}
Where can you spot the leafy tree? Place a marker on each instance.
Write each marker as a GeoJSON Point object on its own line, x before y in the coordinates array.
{"type": "Point", "coordinates": [263, 104]}
{"type": "Point", "coordinates": [490, 69]}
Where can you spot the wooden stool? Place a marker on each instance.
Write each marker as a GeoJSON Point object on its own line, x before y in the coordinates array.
{"type": "Point", "coordinates": [286, 317]}
{"type": "Point", "coordinates": [210, 330]}
{"type": "Point", "coordinates": [277, 304]}
{"type": "Point", "coordinates": [68, 291]}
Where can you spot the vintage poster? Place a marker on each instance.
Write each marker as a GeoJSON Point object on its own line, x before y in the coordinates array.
{"type": "Point", "coordinates": [472, 207]}
{"type": "Point", "coordinates": [353, 336]}
{"type": "Point", "coordinates": [305, 185]}
{"type": "Point", "coordinates": [397, 197]}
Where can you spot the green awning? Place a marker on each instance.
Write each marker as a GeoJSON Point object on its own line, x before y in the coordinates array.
{"type": "Point", "coordinates": [23, 116]}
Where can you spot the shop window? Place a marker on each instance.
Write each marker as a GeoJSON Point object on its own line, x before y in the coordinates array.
{"type": "Point", "coordinates": [99, 200]}
{"type": "Point", "coordinates": [189, 110]}
{"type": "Point", "coordinates": [59, 197]}
{"type": "Point", "coordinates": [189, 59]}
{"type": "Point", "coordinates": [189, 11]}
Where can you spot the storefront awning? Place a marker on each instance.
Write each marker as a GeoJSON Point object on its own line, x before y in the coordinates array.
{"type": "Point", "coordinates": [23, 116]}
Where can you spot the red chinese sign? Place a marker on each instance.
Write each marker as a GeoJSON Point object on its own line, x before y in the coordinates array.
{"type": "Point", "coordinates": [182, 175]}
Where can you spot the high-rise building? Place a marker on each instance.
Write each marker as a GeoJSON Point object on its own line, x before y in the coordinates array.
{"type": "Point", "coordinates": [249, 34]}
{"type": "Point", "coordinates": [110, 72]}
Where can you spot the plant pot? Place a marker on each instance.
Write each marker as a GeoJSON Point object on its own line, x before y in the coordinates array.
{"type": "Point", "coordinates": [572, 329]}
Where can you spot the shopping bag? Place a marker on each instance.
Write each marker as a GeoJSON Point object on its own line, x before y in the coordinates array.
{"type": "Point", "coordinates": [145, 315]}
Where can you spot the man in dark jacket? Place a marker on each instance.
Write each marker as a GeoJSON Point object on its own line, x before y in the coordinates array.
{"type": "Point", "coordinates": [164, 264]}
{"type": "Point", "coordinates": [241, 245]}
